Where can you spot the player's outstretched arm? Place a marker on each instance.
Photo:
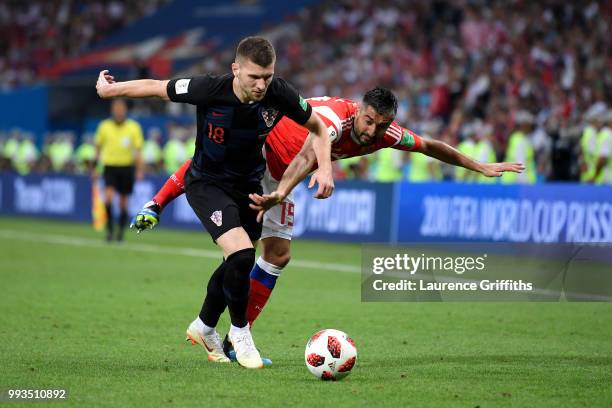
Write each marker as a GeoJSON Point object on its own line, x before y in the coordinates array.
{"type": "Point", "coordinates": [448, 154]}
{"type": "Point", "coordinates": [297, 171]}
{"type": "Point", "coordinates": [140, 88]}
{"type": "Point", "coordinates": [321, 144]}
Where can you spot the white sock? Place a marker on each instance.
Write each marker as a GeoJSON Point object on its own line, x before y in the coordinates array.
{"type": "Point", "coordinates": [268, 267]}
{"type": "Point", "coordinates": [199, 324]}
{"type": "Point", "coordinates": [238, 330]}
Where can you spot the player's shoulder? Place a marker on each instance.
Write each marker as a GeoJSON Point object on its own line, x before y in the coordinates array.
{"type": "Point", "coordinates": [217, 78]}
{"type": "Point", "coordinates": [208, 83]}
{"type": "Point", "coordinates": [285, 97]}
{"type": "Point", "coordinates": [278, 82]}
{"type": "Point", "coordinates": [394, 134]}
{"type": "Point", "coordinates": [343, 101]}
{"type": "Point", "coordinates": [216, 83]}
{"type": "Point", "coordinates": [334, 107]}
{"type": "Point", "coordinates": [208, 76]}
{"type": "Point", "coordinates": [279, 86]}
{"type": "Point", "coordinates": [334, 101]}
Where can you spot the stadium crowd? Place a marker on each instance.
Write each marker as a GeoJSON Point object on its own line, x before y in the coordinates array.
{"type": "Point", "coordinates": [36, 33]}
{"type": "Point", "coordinates": [501, 80]}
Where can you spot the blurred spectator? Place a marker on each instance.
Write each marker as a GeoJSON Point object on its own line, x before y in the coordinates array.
{"type": "Point", "coordinates": [467, 147]}
{"type": "Point", "coordinates": [27, 154]}
{"type": "Point", "coordinates": [174, 152]}
{"type": "Point", "coordinates": [190, 143]}
{"type": "Point", "coordinates": [424, 169]}
{"type": "Point", "coordinates": [354, 168]}
{"type": "Point", "coordinates": [152, 152]}
{"type": "Point", "coordinates": [520, 150]}
{"type": "Point", "coordinates": [483, 150]}
{"type": "Point", "coordinates": [86, 155]}
{"type": "Point", "coordinates": [5, 163]}
{"type": "Point", "coordinates": [9, 152]}
{"type": "Point", "coordinates": [588, 141]}
{"type": "Point", "coordinates": [389, 164]}
{"type": "Point", "coordinates": [603, 165]}
{"type": "Point", "coordinates": [61, 152]}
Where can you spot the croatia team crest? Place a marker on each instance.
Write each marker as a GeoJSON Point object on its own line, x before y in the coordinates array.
{"type": "Point", "coordinates": [269, 116]}
{"type": "Point", "coordinates": [217, 218]}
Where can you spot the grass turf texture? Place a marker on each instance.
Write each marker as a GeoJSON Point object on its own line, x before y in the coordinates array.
{"type": "Point", "coordinates": [107, 323]}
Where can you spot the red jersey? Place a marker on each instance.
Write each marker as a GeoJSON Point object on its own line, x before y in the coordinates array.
{"type": "Point", "coordinates": [287, 138]}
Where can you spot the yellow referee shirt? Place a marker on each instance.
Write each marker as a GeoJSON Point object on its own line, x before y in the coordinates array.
{"type": "Point", "coordinates": [118, 142]}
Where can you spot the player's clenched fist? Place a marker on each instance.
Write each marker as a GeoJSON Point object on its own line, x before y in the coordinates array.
{"type": "Point", "coordinates": [105, 79]}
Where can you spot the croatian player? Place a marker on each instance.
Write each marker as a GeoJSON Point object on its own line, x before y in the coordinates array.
{"type": "Point", "coordinates": [355, 130]}
{"type": "Point", "coordinates": [235, 113]}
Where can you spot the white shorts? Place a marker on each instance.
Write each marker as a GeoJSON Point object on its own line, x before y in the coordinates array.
{"type": "Point", "coordinates": [278, 220]}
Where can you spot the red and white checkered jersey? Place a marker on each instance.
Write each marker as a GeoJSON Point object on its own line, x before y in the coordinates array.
{"type": "Point", "coordinates": [287, 138]}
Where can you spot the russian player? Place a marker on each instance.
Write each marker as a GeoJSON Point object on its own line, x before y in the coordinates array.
{"type": "Point", "coordinates": [354, 130]}
{"type": "Point", "coordinates": [235, 113]}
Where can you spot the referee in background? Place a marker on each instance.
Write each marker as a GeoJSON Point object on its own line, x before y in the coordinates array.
{"type": "Point", "coordinates": [119, 143]}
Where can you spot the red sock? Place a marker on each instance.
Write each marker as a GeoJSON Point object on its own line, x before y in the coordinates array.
{"type": "Point", "coordinates": [258, 296]}
{"type": "Point", "coordinates": [174, 186]}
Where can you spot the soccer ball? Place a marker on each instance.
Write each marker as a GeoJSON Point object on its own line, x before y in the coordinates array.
{"type": "Point", "coordinates": [330, 354]}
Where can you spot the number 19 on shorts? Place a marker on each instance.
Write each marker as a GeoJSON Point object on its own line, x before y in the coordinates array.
{"type": "Point", "coordinates": [286, 213]}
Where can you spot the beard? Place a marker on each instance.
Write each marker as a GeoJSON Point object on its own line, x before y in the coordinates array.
{"type": "Point", "coordinates": [366, 140]}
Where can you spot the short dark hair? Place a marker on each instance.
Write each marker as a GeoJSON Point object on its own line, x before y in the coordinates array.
{"type": "Point", "coordinates": [382, 100]}
{"type": "Point", "coordinates": [256, 49]}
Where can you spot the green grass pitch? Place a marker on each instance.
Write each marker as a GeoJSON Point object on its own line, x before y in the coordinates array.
{"type": "Point", "coordinates": [106, 322]}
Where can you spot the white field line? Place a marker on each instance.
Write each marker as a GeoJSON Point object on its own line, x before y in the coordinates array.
{"type": "Point", "coordinates": [68, 240]}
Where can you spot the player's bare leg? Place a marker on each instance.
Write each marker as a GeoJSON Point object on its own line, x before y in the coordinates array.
{"type": "Point", "coordinates": [276, 251]}
{"type": "Point", "coordinates": [233, 241]}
